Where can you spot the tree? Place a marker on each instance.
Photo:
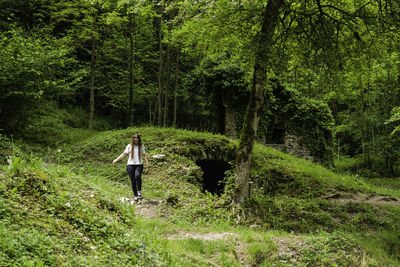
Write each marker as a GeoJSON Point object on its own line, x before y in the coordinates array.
{"type": "Point", "coordinates": [161, 63]}
{"type": "Point", "coordinates": [34, 68]}
{"type": "Point", "coordinates": [130, 64]}
{"type": "Point", "coordinates": [264, 44]}
{"type": "Point", "coordinates": [219, 80]}
{"type": "Point", "coordinates": [92, 65]}
{"type": "Point", "coordinates": [319, 22]}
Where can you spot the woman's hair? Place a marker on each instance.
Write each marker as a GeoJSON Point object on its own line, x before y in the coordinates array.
{"type": "Point", "coordinates": [139, 145]}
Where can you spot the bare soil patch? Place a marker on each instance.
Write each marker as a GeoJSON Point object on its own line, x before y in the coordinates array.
{"type": "Point", "coordinates": [289, 249]}
{"type": "Point", "coordinates": [206, 236]}
{"type": "Point", "coordinates": [375, 200]}
{"type": "Point", "coordinates": [148, 208]}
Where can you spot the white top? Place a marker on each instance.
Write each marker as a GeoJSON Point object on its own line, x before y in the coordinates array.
{"type": "Point", "coordinates": [135, 160]}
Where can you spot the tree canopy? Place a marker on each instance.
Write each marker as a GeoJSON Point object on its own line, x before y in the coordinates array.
{"type": "Point", "coordinates": [208, 65]}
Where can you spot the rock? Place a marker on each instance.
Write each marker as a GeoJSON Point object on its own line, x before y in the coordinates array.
{"type": "Point", "coordinates": [253, 226]}
{"type": "Point", "coordinates": [158, 156]}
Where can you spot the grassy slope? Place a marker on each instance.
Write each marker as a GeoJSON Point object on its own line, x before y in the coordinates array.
{"type": "Point", "coordinates": [68, 212]}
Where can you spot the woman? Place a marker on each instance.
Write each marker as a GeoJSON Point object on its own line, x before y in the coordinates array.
{"type": "Point", "coordinates": [135, 164]}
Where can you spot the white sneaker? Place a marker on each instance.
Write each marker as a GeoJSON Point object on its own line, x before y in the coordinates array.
{"type": "Point", "coordinates": [140, 195]}
{"type": "Point", "coordinates": [136, 199]}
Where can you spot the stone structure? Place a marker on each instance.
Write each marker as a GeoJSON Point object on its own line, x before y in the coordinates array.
{"type": "Point", "coordinates": [292, 146]}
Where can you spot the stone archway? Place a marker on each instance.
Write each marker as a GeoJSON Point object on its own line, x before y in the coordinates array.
{"type": "Point", "coordinates": [213, 175]}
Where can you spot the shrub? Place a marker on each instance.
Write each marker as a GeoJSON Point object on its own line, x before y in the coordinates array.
{"type": "Point", "coordinates": [289, 112]}
{"type": "Point", "coordinates": [5, 149]}
{"type": "Point", "coordinates": [33, 182]}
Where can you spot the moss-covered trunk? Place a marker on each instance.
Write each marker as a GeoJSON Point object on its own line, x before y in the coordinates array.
{"type": "Point", "coordinates": [230, 113]}
{"type": "Point", "coordinates": [256, 101]}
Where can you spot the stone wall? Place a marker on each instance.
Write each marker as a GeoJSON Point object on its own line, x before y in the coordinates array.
{"type": "Point", "coordinates": [293, 146]}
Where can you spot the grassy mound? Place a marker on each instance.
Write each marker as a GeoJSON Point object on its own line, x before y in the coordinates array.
{"type": "Point", "coordinates": [68, 209]}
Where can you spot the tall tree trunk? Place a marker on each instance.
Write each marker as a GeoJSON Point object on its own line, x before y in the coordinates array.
{"type": "Point", "coordinates": [166, 85]}
{"type": "Point", "coordinates": [130, 112]}
{"type": "Point", "coordinates": [171, 15]}
{"type": "Point", "coordinates": [176, 86]}
{"type": "Point", "coordinates": [389, 104]}
{"type": "Point", "coordinates": [398, 71]}
{"type": "Point", "coordinates": [150, 122]}
{"type": "Point", "coordinates": [160, 69]}
{"type": "Point", "coordinates": [155, 110]}
{"type": "Point", "coordinates": [256, 101]}
{"type": "Point", "coordinates": [230, 125]}
{"type": "Point", "coordinates": [368, 101]}
{"type": "Point", "coordinates": [362, 104]}
{"type": "Point", "coordinates": [92, 69]}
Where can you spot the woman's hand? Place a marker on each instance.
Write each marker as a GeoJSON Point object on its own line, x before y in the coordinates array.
{"type": "Point", "coordinates": [115, 161]}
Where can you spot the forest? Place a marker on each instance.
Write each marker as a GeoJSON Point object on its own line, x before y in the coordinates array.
{"type": "Point", "coordinates": [191, 64]}
{"type": "Point", "coordinates": [242, 73]}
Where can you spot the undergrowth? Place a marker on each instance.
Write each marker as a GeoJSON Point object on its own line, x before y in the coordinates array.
{"type": "Point", "coordinates": [62, 207]}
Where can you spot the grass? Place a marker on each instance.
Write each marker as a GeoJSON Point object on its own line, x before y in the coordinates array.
{"type": "Point", "coordinates": [64, 208]}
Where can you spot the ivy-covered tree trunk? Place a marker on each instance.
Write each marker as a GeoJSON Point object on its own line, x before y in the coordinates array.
{"type": "Point", "coordinates": [256, 101]}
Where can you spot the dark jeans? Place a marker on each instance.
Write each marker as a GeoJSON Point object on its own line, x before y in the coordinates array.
{"type": "Point", "coordinates": [135, 172]}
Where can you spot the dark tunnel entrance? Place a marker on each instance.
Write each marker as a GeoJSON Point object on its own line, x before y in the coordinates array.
{"type": "Point", "coordinates": [214, 174]}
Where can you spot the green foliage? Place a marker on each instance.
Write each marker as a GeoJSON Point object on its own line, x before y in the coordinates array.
{"type": "Point", "coordinates": [218, 83]}
{"type": "Point", "coordinates": [347, 139]}
{"type": "Point", "coordinates": [271, 179]}
{"type": "Point", "coordinates": [289, 214]}
{"type": "Point", "coordinates": [73, 215]}
{"type": "Point", "coordinates": [337, 53]}
{"type": "Point", "coordinates": [314, 122]}
{"type": "Point", "coordinates": [46, 125]}
{"type": "Point", "coordinates": [29, 247]}
{"type": "Point", "coordinates": [341, 251]}
{"type": "Point", "coordinates": [46, 220]}
{"type": "Point", "coordinates": [33, 182]}
{"type": "Point", "coordinates": [395, 118]}
{"type": "Point", "coordinates": [347, 165]}
{"type": "Point", "coordinates": [46, 54]}
{"type": "Point", "coordinates": [287, 112]}
{"type": "Point", "coordinates": [6, 149]}
{"type": "Point", "coordinates": [31, 64]}
{"type": "Point", "coordinates": [15, 166]}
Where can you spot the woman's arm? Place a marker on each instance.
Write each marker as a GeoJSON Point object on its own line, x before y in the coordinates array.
{"type": "Point", "coordinates": [145, 159]}
{"type": "Point", "coordinates": [120, 157]}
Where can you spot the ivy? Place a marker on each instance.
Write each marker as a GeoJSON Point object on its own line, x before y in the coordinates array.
{"type": "Point", "coordinates": [288, 112]}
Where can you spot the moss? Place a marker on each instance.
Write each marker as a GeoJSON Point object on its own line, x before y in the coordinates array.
{"type": "Point", "coordinates": [33, 182]}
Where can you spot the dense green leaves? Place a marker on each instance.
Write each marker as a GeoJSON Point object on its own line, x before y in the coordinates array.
{"type": "Point", "coordinates": [33, 67]}
{"type": "Point", "coordinates": [344, 53]}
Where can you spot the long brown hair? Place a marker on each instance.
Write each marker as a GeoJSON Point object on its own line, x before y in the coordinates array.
{"type": "Point", "coordinates": [139, 145]}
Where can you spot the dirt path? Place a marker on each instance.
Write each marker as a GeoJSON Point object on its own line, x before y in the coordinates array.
{"type": "Point", "coordinates": [149, 209]}
{"type": "Point", "coordinates": [375, 200]}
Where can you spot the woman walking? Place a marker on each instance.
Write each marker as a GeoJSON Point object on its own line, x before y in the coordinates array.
{"type": "Point", "coordinates": [134, 167]}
